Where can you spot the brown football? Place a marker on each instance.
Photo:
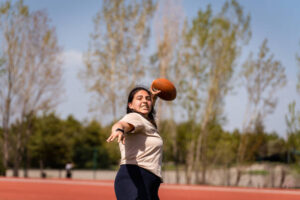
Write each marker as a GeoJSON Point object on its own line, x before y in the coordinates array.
{"type": "Point", "coordinates": [167, 88]}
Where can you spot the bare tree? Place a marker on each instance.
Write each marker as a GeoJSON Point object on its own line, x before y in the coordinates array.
{"type": "Point", "coordinates": [114, 60]}
{"type": "Point", "coordinates": [298, 62]}
{"type": "Point", "coordinates": [32, 71]}
{"type": "Point", "coordinates": [9, 66]}
{"type": "Point", "coordinates": [188, 75]}
{"type": "Point", "coordinates": [168, 25]}
{"type": "Point", "coordinates": [262, 77]}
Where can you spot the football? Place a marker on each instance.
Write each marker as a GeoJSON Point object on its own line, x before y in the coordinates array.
{"type": "Point", "coordinates": [167, 88]}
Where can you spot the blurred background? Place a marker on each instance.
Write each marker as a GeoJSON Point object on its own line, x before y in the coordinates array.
{"type": "Point", "coordinates": [66, 68]}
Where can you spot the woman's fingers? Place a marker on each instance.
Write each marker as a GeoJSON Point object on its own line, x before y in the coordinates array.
{"type": "Point", "coordinates": [123, 140]}
{"type": "Point", "coordinates": [156, 92]}
{"type": "Point", "coordinates": [118, 135]}
{"type": "Point", "coordinates": [111, 138]}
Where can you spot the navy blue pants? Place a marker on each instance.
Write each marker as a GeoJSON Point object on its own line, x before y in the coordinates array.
{"type": "Point", "coordinates": [135, 183]}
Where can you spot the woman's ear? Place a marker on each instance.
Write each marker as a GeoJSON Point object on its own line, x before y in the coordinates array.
{"type": "Point", "coordinates": [130, 105]}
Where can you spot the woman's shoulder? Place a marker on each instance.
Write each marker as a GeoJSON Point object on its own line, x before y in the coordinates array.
{"type": "Point", "coordinates": [132, 116]}
{"type": "Point", "coordinates": [134, 119]}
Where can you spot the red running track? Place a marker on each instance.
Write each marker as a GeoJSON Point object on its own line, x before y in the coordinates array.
{"type": "Point", "coordinates": [62, 189]}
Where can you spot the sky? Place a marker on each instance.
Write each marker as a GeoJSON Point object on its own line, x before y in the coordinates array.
{"type": "Point", "coordinates": [276, 20]}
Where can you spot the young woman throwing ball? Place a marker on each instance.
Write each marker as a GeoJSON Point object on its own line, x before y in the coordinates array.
{"type": "Point", "coordinates": [139, 176]}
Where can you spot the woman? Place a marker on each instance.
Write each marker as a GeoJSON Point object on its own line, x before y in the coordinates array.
{"type": "Point", "coordinates": [139, 176]}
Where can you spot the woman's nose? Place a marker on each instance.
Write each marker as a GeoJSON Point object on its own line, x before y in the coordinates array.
{"type": "Point", "coordinates": [144, 100]}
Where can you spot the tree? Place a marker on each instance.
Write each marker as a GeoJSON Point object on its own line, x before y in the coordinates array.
{"type": "Point", "coordinates": [298, 62]}
{"type": "Point", "coordinates": [168, 24]}
{"type": "Point", "coordinates": [51, 142]}
{"type": "Point", "coordinates": [293, 119]}
{"type": "Point", "coordinates": [90, 144]}
{"type": "Point", "coordinates": [2, 169]}
{"type": "Point", "coordinates": [1, 67]}
{"type": "Point", "coordinates": [114, 60]}
{"type": "Point", "coordinates": [262, 77]}
{"type": "Point", "coordinates": [32, 73]}
{"type": "Point", "coordinates": [221, 149]}
{"type": "Point", "coordinates": [212, 45]}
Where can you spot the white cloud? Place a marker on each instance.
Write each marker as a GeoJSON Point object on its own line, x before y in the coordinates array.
{"type": "Point", "coordinates": [76, 99]}
{"type": "Point", "coordinates": [72, 58]}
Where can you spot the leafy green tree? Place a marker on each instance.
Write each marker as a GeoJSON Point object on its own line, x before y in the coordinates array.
{"type": "Point", "coordinates": [222, 149]}
{"type": "Point", "coordinates": [293, 128]}
{"type": "Point", "coordinates": [89, 145]}
{"type": "Point", "coordinates": [49, 146]}
{"type": "Point", "coordinates": [113, 151]}
{"type": "Point", "coordinates": [292, 119]}
{"type": "Point", "coordinates": [211, 47]}
{"type": "Point", "coordinates": [275, 146]}
{"type": "Point", "coordinates": [177, 153]}
{"type": "Point", "coordinates": [221, 146]}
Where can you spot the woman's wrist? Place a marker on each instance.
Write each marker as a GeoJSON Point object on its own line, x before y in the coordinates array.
{"type": "Point", "coordinates": [116, 126]}
{"type": "Point", "coordinates": [120, 129]}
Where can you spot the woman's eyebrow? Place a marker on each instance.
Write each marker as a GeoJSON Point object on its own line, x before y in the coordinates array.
{"type": "Point", "coordinates": [142, 96]}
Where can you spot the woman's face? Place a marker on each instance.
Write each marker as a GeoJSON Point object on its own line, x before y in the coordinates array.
{"type": "Point", "coordinates": [141, 102]}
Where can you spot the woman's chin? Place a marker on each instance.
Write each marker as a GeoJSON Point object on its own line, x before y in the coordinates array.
{"type": "Point", "coordinates": [144, 112]}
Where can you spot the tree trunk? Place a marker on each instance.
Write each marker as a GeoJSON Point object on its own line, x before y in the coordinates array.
{"type": "Point", "coordinates": [174, 144]}
{"type": "Point", "coordinates": [238, 176]}
{"type": "Point", "coordinates": [227, 175]}
{"type": "Point", "coordinates": [5, 151]}
{"type": "Point", "coordinates": [26, 163]}
{"type": "Point", "coordinates": [240, 158]}
{"type": "Point", "coordinates": [16, 165]}
{"type": "Point", "coordinates": [190, 163]}
{"type": "Point", "coordinates": [42, 169]}
{"type": "Point", "coordinates": [177, 172]}
{"type": "Point", "coordinates": [201, 142]}
{"type": "Point", "coordinates": [5, 125]}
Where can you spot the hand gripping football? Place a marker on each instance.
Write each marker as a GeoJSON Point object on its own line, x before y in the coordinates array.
{"type": "Point", "coordinates": [168, 90]}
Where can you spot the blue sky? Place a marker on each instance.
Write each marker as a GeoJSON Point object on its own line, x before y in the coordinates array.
{"type": "Point", "coordinates": [276, 20]}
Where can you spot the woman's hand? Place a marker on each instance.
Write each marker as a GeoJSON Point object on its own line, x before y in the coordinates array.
{"type": "Point", "coordinates": [154, 94]}
{"type": "Point", "coordinates": [118, 130]}
{"type": "Point", "coordinates": [117, 134]}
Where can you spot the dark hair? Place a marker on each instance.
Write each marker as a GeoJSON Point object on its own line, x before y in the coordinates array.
{"type": "Point", "coordinates": [151, 114]}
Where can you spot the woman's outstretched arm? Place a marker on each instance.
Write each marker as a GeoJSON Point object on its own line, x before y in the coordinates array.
{"type": "Point", "coordinates": [118, 130]}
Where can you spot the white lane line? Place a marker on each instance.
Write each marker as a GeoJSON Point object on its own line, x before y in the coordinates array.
{"type": "Point", "coordinates": [71, 182]}
{"type": "Point", "coordinates": [218, 189]}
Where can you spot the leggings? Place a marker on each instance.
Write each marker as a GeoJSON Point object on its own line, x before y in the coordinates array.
{"type": "Point", "coordinates": [135, 183]}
